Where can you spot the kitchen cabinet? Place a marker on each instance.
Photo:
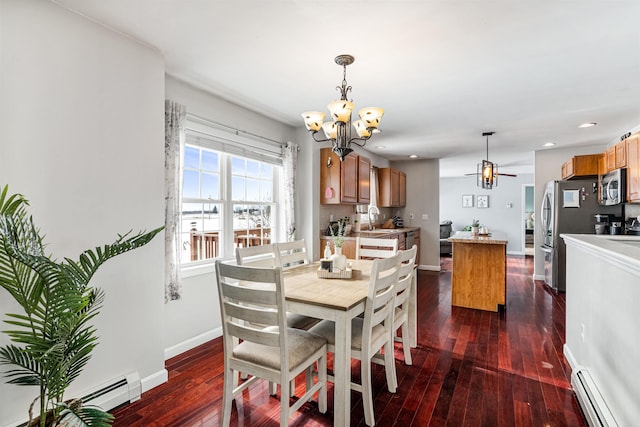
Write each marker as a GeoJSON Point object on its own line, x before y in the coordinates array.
{"type": "Point", "coordinates": [633, 168]}
{"type": "Point", "coordinates": [346, 182]}
{"type": "Point", "coordinates": [581, 166]}
{"type": "Point", "coordinates": [616, 156]}
{"type": "Point", "coordinates": [364, 180]}
{"type": "Point", "coordinates": [393, 188]}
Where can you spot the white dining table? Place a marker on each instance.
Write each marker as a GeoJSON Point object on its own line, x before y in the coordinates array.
{"type": "Point", "coordinates": [338, 300]}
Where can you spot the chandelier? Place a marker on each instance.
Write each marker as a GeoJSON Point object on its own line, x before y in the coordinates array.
{"type": "Point", "coordinates": [487, 171]}
{"type": "Point", "coordinates": [338, 131]}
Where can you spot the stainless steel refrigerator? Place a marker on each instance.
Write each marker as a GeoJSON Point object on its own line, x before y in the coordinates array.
{"type": "Point", "coordinates": [568, 207]}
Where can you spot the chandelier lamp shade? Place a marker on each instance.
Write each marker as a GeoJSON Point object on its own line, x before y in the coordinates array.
{"type": "Point", "coordinates": [487, 171]}
{"type": "Point", "coordinates": [339, 130]}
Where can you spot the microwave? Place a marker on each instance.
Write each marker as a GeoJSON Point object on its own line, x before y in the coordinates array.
{"type": "Point", "coordinates": [613, 188]}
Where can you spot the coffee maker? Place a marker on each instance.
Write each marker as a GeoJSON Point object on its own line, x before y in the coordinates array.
{"type": "Point", "coordinates": [603, 222]}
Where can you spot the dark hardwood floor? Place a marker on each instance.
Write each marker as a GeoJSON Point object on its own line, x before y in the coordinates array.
{"type": "Point", "coordinates": [471, 368]}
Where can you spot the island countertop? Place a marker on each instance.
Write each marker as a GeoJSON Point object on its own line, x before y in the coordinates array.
{"type": "Point", "coordinates": [494, 238]}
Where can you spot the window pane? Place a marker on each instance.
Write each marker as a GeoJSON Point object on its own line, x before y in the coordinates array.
{"type": "Point", "coordinates": [253, 168]}
{"type": "Point", "coordinates": [237, 188]}
{"type": "Point", "coordinates": [210, 161]}
{"type": "Point", "coordinates": [210, 186]}
{"type": "Point", "coordinates": [266, 171]}
{"type": "Point", "coordinates": [191, 157]}
{"type": "Point", "coordinates": [266, 191]}
{"type": "Point", "coordinates": [200, 234]}
{"type": "Point", "coordinates": [190, 184]}
{"type": "Point", "coordinates": [253, 190]}
{"type": "Point", "coordinates": [237, 166]}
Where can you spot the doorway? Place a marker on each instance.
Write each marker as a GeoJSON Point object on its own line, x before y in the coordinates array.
{"type": "Point", "coordinates": [528, 215]}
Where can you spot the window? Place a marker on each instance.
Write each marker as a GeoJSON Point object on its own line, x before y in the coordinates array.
{"type": "Point", "coordinates": [229, 198]}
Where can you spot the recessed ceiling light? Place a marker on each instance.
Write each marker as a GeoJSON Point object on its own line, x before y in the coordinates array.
{"type": "Point", "coordinates": [549, 144]}
{"type": "Point", "coordinates": [413, 156]}
{"type": "Point", "coordinates": [587, 125]}
{"type": "Point", "coordinates": [381, 147]}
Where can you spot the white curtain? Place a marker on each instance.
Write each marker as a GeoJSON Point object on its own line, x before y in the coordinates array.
{"type": "Point", "coordinates": [289, 163]}
{"type": "Point", "coordinates": [174, 118]}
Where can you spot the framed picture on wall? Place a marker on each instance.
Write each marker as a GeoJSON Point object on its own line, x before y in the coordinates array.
{"type": "Point", "coordinates": [467, 200]}
{"type": "Point", "coordinates": [482, 201]}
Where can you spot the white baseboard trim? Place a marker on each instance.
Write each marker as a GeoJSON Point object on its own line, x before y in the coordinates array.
{"type": "Point", "coordinates": [538, 277]}
{"type": "Point", "coordinates": [192, 343]}
{"type": "Point", "coordinates": [154, 380]}
{"type": "Point", "coordinates": [571, 360]}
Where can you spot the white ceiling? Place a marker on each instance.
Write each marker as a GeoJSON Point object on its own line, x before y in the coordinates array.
{"type": "Point", "coordinates": [444, 71]}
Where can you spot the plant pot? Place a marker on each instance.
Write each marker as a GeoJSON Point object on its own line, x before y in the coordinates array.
{"type": "Point", "coordinates": [475, 230]}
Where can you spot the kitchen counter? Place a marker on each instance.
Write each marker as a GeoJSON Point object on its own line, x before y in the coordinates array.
{"type": "Point", "coordinates": [479, 275]}
{"type": "Point", "coordinates": [349, 246]}
{"type": "Point", "coordinates": [491, 239]}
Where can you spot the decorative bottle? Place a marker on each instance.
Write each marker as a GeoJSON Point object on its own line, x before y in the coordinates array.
{"type": "Point", "coordinates": [327, 251]}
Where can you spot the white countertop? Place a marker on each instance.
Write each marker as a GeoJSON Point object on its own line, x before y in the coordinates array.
{"type": "Point", "coordinates": [620, 250]}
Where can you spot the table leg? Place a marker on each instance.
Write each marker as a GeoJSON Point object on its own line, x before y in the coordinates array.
{"type": "Point", "coordinates": [342, 371]}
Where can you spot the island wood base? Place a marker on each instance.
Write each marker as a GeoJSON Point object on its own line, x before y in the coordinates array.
{"type": "Point", "coordinates": [479, 277]}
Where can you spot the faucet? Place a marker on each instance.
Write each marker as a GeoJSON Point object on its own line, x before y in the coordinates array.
{"type": "Point", "coordinates": [375, 211]}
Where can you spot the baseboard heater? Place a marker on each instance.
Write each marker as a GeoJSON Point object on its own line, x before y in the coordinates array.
{"type": "Point", "coordinates": [126, 388]}
{"type": "Point", "coordinates": [121, 390]}
{"type": "Point", "coordinates": [593, 405]}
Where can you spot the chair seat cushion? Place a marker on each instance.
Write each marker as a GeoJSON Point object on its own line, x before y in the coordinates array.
{"type": "Point", "coordinates": [301, 345]}
{"type": "Point", "coordinates": [327, 329]}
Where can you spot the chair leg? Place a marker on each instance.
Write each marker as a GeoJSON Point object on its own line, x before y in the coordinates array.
{"type": "Point", "coordinates": [390, 366]}
{"type": "Point", "coordinates": [273, 388]}
{"type": "Point", "coordinates": [406, 345]}
{"type": "Point", "coordinates": [230, 382]}
{"type": "Point", "coordinates": [284, 403]}
{"type": "Point", "coordinates": [367, 395]}
{"type": "Point", "coordinates": [322, 376]}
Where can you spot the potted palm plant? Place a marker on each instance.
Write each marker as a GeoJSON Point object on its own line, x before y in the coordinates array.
{"type": "Point", "coordinates": [52, 337]}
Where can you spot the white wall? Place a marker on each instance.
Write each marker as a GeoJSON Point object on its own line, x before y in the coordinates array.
{"type": "Point", "coordinates": [548, 167]}
{"type": "Point", "coordinates": [497, 217]}
{"type": "Point", "coordinates": [82, 137]}
{"type": "Point", "coordinates": [422, 199]}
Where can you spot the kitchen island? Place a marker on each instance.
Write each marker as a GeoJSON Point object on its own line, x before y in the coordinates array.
{"type": "Point", "coordinates": [479, 275]}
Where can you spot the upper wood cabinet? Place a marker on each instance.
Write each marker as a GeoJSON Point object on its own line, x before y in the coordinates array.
{"type": "Point", "coordinates": [633, 168]}
{"type": "Point", "coordinates": [581, 166]}
{"type": "Point", "coordinates": [345, 182]}
{"type": "Point", "coordinates": [364, 180]}
{"type": "Point", "coordinates": [393, 188]}
{"type": "Point", "coordinates": [616, 157]}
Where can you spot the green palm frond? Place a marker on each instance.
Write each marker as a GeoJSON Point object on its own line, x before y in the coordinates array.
{"type": "Point", "coordinates": [53, 337]}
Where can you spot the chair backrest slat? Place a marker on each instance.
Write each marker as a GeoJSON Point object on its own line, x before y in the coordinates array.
{"type": "Point", "coordinates": [367, 247]}
{"type": "Point", "coordinates": [257, 256]}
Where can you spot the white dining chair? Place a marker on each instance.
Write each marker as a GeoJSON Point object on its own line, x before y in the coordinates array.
{"type": "Point", "coordinates": [267, 256]}
{"type": "Point", "coordinates": [403, 293]}
{"type": "Point", "coordinates": [368, 248]}
{"type": "Point", "coordinates": [372, 333]}
{"type": "Point", "coordinates": [292, 254]}
{"type": "Point", "coordinates": [255, 295]}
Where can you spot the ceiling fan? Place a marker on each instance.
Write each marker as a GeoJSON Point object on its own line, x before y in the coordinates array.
{"type": "Point", "coordinates": [487, 172]}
